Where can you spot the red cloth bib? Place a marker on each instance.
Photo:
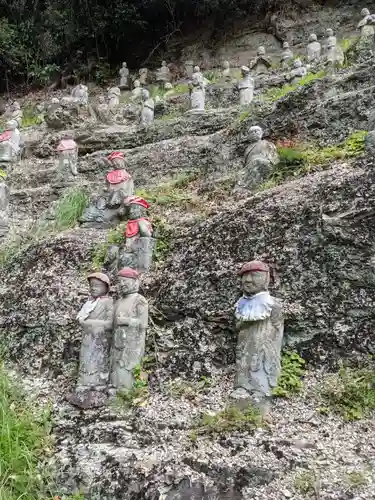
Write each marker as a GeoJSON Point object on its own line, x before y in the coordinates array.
{"type": "Point", "coordinates": [132, 227]}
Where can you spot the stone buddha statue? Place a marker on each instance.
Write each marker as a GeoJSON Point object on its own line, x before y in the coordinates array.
{"type": "Point", "coordinates": [143, 75]}
{"type": "Point", "coordinates": [80, 94]}
{"type": "Point", "coordinates": [130, 326]}
{"type": "Point", "coordinates": [108, 209]}
{"type": "Point", "coordinates": [113, 98]}
{"type": "Point", "coordinates": [102, 111]}
{"type": "Point", "coordinates": [365, 47]}
{"type": "Point", "coordinates": [261, 63]}
{"type": "Point", "coordinates": [314, 49]}
{"type": "Point", "coordinates": [259, 322]}
{"type": "Point", "coordinates": [17, 113]}
{"type": "Point", "coordinates": [333, 52]}
{"type": "Point", "coordinates": [147, 113]}
{"type": "Point", "coordinates": [246, 87]}
{"type": "Point", "coordinates": [169, 92]}
{"type": "Point", "coordinates": [136, 252]}
{"type": "Point", "coordinates": [124, 76]}
{"type": "Point", "coordinates": [189, 68]}
{"type": "Point", "coordinates": [260, 158]}
{"type": "Point", "coordinates": [68, 155]}
{"type": "Point", "coordinates": [137, 91]}
{"type": "Point", "coordinates": [298, 72]}
{"type": "Point", "coordinates": [4, 205]}
{"type": "Point", "coordinates": [163, 74]}
{"type": "Point", "coordinates": [10, 142]}
{"type": "Point", "coordinates": [225, 74]}
{"type": "Point", "coordinates": [199, 75]}
{"type": "Point", "coordinates": [366, 24]}
{"type": "Point", "coordinates": [197, 93]}
{"type": "Point", "coordinates": [96, 321]}
{"type": "Point", "coordinates": [286, 56]}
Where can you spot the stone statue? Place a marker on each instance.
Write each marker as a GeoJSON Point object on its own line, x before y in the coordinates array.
{"type": "Point", "coordinates": [226, 76]}
{"type": "Point", "coordinates": [365, 46]}
{"type": "Point", "coordinates": [163, 75]}
{"type": "Point", "coordinates": [130, 326]}
{"type": "Point", "coordinates": [102, 111]}
{"type": "Point", "coordinates": [17, 113]}
{"type": "Point", "coordinates": [143, 75]}
{"type": "Point", "coordinates": [366, 24]}
{"type": "Point", "coordinates": [333, 53]}
{"type": "Point", "coordinates": [113, 98]}
{"type": "Point", "coordinates": [147, 113]}
{"type": "Point", "coordinates": [259, 322]}
{"type": "Point", "coordinates": [298, 72]}
{"type": "Point", "coordinates": [124, 76]}
{"type": "Point", "coordinates": [261, 63]}
{"type": "Point", "coordinates": [108, 210]}
{"type": "Point", "coordinates": [169, 92]}
{"type": "Point", "coordinates": [4, 205]}
{"type": "Point", "coordinates": [314, 49]}
{"type": "Point", "coordinates": [260, 158]}
{"type": "Point", "coordinates": [80, 94]}
{"type": "Point", "coordinates": [286, 56]}
{"type": "Point", "coordinates": [246, 87]}
{"type": "Point", "coordinates": [137, 250]}
{"type": "Point", "coordinates": [10, 142]}
{"type": "Point", "coordinates": [68, 155]}
{"type": "Point", "coordinates": [197, 94]}
{"type": "Point", "coordinates": [137, 91]}
{"type": "Point", "coordinates": [189, 68]}
{"type": "Point", "coordinates": [199, 75]}
{"type": "Point", "coordinates": [96, 320]}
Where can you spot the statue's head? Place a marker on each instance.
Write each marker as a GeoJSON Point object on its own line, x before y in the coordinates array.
{"type": "Point", "coordinates": [137, 207]}
{"type": "Point", "coordinates": [245, 71]}
{"type": "Point", "coordinates": [226, 64]}
{"type": "Point", "coordinates": [195, 79]}
{"type": "Point", "coordinates": [255, 133]}
{"type": "Point", "coordinates": [101, 99]}
{"type": "Point", "coordinates": [128, 281]}
{"type": "Point", "coordinates": [313, 37]}
{"type": "Point", "coordinates": [365, 12]}
{"type": "Point", "coordinates": [329, 32]}
{"type": "Point", "coordinates": [197, 69]}
{"type": "Point", "coordinates": [16, 106]}
{"type": "Point", "coordinates": [98, 284]}
{"type": "Point", "coordinates": [124, 65]}
{"type": "Point", "coordinates": [168, 86]}
{"type": "Point", "coordinates": [137, 83]}
{"type": "Point", "coordinates": [145, 94]}
{"type": "Point", "coordinates": [116, 158]}
{"type": "Point", "coordinates": [261, 51]}
{"type": "Point", "coordinates": [285, 45]}
{"type": "Point", "coordinates": [11, 125]}
{"type": "Point", "coordinates": [164, 63]}
{"type": "Point", "coordinates": [255, 277]}
{"type": "Point", "coordinates": [297, 63]}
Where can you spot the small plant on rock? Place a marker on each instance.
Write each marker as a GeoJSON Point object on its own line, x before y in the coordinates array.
{"type": "Point", "coordinates": [292, 371]}
{"type": "Point", "coordinates": [137, 396]}
{"type": "Point", "coordinates": [304, 482]}
{"type": "Point", "coordinates": [273, 94]}
{"type": "Point", "coordinates": [349, 393]}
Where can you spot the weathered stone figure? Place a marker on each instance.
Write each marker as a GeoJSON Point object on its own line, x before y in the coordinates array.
{"type": "Point", "coordinates": [80, 94]}
{"type": "Point", "coordinates": [286, 56]}
{"type": "Point", "coordinates": [137, 250]}
{"type": "Point", "coordinates": [189, 68]}
{"type": "Point", "coordinates": [168, 87]}
{"type": "Point", "coordinates": [108, 209]}
{"type": "Point", "coordinates": [260, 158]}
{"type": "Point", "coordinates": [4, 205]}
{"type": "Point", "coordinates": [298, 72]}
{"type": "Point", "coordinates": [17, 113]}
{"type": "Point", "coordinates": [259, 323]}
{"type": "Point", "coordinates": [314, 49]}
{"type": "Point", "coordinates": [199, 75]}
{"type": "Point", "coordinates": [137, 91]}
{"type": "Point", "coordinates": [246, 87]}
{"type": "Point", "coordinates": [163, 75]}
{"type": "Point", "coordinates": [226, 76]}
{"type": "Point", "coordinates": [130, 326]}
{"type": "Point", "coordinates": [113, 97]}
{"type": "Point", "coordinates": [143, 75]}
{"type": "Point", "coordinates": [261, 63]}
{"type": "Point", "coordinates": [147, 113]}
{"type": "Point", "coordinates": [365, 47]}
{"type": "Point", "coordinates": [96, 320]}
{"type": "Point", "coordinates": [68, 155]}
{"type": "Point", "coordinates": [333, 52]}
{"type": "Point", "coordinates": [366, 24]}
{"type": "Point", "coordinates": [197, 94]}
{"type": "Point", "coordinates": [102, 111]}
{"type": "Point", "coordinates": [124, 76]}
{"type": "Point", "coordinates": [10, 142]}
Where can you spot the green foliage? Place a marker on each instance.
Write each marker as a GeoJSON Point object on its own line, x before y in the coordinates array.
{"type": "Point", "coordinates": [24, 443]}
{"type": "Point", "coordinates": [212, 75]}
{"type": "Point", "coordinates": [69, 208]}
{"type": "Point", "coordinates": [181, 88]}
{"type": "Point", "coordinates": [171, 193]}
{"type": "Point", "coordinates": [30, 117]}
{"type": "Point", "coordinates": [138, 395]}
{"type": "Point", "coordinates": [229, 420]}
{"type": "Point", "coordinates": [356, 479]}
{"type": "Point", "coordinates": [350, 392]}
{"type": "Point", "coordinates": [114, 237]}
{"type": "Point", "coordinates": [273, 95]}
{"type": "Point", "coordinates": [2, 174]}
{"type": "Point", "coordinates": [292, 370]}
{"type": "Point", "coordinates": [304, 482]}
{"type": "Point", "coordinates": [163, 236]}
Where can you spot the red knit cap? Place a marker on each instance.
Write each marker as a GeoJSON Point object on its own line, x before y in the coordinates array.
{"type": "Point", "coordinates": [128, 272]}
{"type": "Point", "coordinates": [117, 176]}
{"type": "Point", "coordinates": [254, 265]}
{"type": "Point", "coordinates": [137, 200]}
{"type": "Point", "coordinates": [115, 155]}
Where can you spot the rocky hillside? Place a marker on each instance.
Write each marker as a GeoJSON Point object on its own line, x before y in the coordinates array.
{"type": "Point", "coordinates": [313, 221]}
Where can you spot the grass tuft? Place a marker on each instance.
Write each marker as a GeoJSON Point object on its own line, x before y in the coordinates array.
{"type": "Point", "coordinates": [292, 370]}
{"type": "Point", "coordinates": [273, 95]}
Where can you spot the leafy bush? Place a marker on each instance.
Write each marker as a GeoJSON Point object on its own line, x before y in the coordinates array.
{"type": "Point", "coordinates": [23, 443]}
{"type": "Point", "coordinates": [137, 396]}
{"type": "Point", "coordinates": [275, 94]}
{"type": "Point", "coordinates": [349, 393]}
{"type": "Point", "coordinates": [292, 371]}
{"type": "Point", "coordinates": [229, 420]}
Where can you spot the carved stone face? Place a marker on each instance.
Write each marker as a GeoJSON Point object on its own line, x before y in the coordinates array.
{"type": "Point", "coordinates": [329, 32]}
{"type": "Point", "coordinates": [124, 65]}
{"type": "Point", "coordinates": [101, 99]}
{"type": "Point", "coordinates": [196, 69]}
{"type": "Point", "coordinates": [127, 286]}
{"type": "Point", "coordinates": [365, 12]}
{"type": "Point", "coordinates": [145, 94]}
{"type": "Point", "coordinates": [285, 45]}
{"type": "Point", "coordinates": [137, 84]}
{"type": "Point", "coordinates": [254, 282]}
{"type": "Point", "coordinates": [261, 51]}
{"type": "Point", "coordinates": [136, 211]}
{"type": "Point", "coordinates": [255, 134]}
{"type": "Point", "coordinates": [97, 288]}
{"type": "Point", "coordinates": [163, 63]}
{"type": "Point", "coordinates": [313, 37]}
{"type": "Point", "coordinates": [226, 64]}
